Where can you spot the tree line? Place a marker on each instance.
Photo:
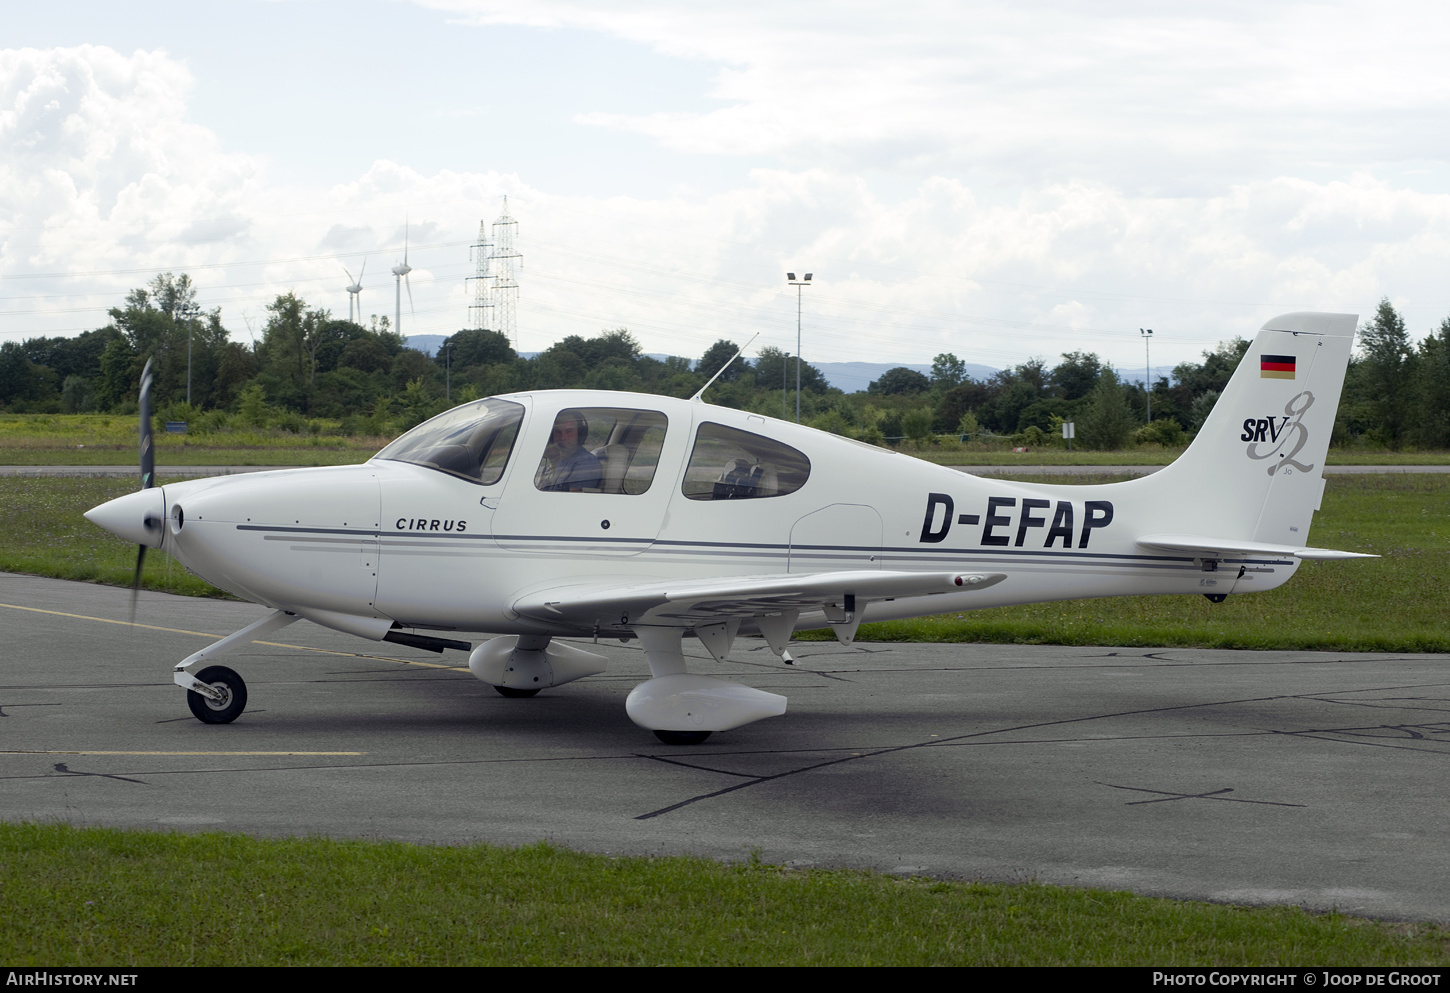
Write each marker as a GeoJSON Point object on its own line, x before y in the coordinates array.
{"type": "Point", "coordinates": [309, 366]}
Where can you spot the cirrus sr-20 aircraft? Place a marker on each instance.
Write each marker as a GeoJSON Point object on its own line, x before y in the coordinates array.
{"type": "Point", "coordinates": [584, 514]}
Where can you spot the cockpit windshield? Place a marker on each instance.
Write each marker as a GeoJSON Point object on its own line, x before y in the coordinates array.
{"type": "Point", "coordinates": [471, 441]}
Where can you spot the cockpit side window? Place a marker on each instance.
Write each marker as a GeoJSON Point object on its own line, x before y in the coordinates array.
{"type": "Point", "coordinates": [729, 464]}
{"type": "Point", "coordinates": [472, 441]}
{"type": "Point", "coordinates": [602, 450]}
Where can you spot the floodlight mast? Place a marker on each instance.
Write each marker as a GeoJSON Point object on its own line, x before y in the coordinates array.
{"type": "Point", "coordinates": [800, 286]}
{"type": "Point", "coordinates": [188, 314]}
{"type": "Point", "coordinates": [1147, 372]}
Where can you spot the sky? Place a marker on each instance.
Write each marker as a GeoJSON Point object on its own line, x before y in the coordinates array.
{"type": "Point", "coordinates": [998, 181]}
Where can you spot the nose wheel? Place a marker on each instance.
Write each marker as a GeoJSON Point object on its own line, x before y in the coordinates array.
{"type": "Point", "coordinates": [231, 696]}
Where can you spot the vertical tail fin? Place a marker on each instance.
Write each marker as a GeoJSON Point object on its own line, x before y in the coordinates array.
{"type": "Point", "coordinates": [1256, 469]}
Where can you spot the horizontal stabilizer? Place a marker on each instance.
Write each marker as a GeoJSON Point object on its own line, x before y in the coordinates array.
{"type": "Point", "coordinates": [1198, 544]}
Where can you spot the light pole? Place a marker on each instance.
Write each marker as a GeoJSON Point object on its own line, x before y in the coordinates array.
{"type": "Point", "coordinates": [784, 362]}
{"type": "Point", "coordinates": [800, 286]}
{"type": "Point", "coordinates": [188, 314]}
{"type": "Point", "coordinates": [448, 371]}
{"type": "Point", "coordinates": [1147, 371]}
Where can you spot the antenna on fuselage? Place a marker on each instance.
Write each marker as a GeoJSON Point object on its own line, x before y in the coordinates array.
{"type": "Point", "coordinates": [699, 396]}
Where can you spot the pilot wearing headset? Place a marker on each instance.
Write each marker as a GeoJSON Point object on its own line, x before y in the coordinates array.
{"type": "Point", "coordinates": [573, 468]}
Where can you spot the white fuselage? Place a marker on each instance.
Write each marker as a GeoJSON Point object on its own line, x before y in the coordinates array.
{"type": "Point", "coordinates": [399, 542]}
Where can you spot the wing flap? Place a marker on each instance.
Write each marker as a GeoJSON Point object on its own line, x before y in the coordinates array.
{"type": "Point", "coordinates": [691, 601]}
{"type": "Point", "coordinates": [1198, 544]}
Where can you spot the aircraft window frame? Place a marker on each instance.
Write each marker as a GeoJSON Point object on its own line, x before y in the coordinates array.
{"type": "Point", "coordinates": [473, 441]}
{"type": "Point", "coordinates": [730, 464]}
{"type": "Point", "coordinates": [627, 460]}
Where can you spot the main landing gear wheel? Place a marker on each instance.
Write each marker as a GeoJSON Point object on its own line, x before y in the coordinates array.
{"type": "Point", "coordinates": [682, 737]}
{"type": "Point", "coordinates": [512, 693]}
{"type": "Point", "coordinates": [229, 707]}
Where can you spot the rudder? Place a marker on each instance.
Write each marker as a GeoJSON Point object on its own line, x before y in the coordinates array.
{"type": "Point", "coordinates": [1256, 468]}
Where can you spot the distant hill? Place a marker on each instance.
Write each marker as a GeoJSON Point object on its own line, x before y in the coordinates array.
{"type": "Point", "coordinates": [425, 343]}
{"type": "Point", "coordinates": [1159, 372]}
{"type": "Point", "coordinates": [853, 377]}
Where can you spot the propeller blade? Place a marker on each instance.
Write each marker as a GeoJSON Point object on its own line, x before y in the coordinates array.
{"type": "Point", "coordinates": [148, 454]}
{"type": "Point", "coordinates": [136, 579]}
{"type": "Point", "coordinates": [409, 283]}
{"type": "Point", "coordinates": [148, 474]}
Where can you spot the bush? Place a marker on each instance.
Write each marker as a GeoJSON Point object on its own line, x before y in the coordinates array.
{"type": "Point", "coordinates": [916, 424]}
{"type": "Point", "coordinates": [1105, 422]}
{"type": "Point", "coordinates": [252, 408]}
{"type": "Point", "coordinates": [291, 422]}
{"type": "Point", "coordinates": [1033, 437]}
{"type": "Point", "coordinates": [1164, 431]}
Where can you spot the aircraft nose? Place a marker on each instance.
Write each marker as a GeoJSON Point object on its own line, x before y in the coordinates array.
{"type": "Point", "coordinates": [136, 517]}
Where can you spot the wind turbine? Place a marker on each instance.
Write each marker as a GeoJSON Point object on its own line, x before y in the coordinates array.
{"type": "Point", "coordinates": [354, 290]}
{"type": "Point", "coordinates": [401, 272]}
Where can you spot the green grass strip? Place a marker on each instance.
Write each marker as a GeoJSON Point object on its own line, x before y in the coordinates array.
{"type": "Point", "coordinates": [1391, 604]}
{"type": "Point", "coordinates": [98, 896]}
{"type": "Point", "coordinates": [110, 439]}
{"type": "Point", "coordinates": [43, 532]}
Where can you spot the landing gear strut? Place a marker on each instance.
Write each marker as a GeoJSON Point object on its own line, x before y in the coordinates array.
{"type": "Point", "coordinates": [217, 695]}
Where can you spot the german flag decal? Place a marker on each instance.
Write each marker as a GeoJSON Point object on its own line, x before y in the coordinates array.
{"type": "Point", "coordinates": [1276, 367]}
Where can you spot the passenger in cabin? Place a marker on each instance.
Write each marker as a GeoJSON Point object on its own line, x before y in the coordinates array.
{"type": "Point", "coordinates": [568, 465]}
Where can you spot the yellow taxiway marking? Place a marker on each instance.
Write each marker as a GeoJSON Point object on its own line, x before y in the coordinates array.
{"type": "Point", "coordinates": [269, 644]}
{"type": "Point", "coordinates": [61, 751]}
{"type": "Point", "coordinates": [107, 620]}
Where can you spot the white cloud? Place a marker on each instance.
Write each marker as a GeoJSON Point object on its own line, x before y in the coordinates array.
{"type": "Point", "coordinates": [998, 182]}
{"type": "Point", "coordinates": [101, 168]}
{"type": "Point", "coordinates": [1143, 95]}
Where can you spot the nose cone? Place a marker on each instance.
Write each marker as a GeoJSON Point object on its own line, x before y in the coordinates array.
{"type": "Point", "coordinates": [136, 517]}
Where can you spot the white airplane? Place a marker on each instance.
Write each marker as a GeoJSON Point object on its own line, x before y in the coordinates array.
{"type": "Point", "coordinates": [572, 513]}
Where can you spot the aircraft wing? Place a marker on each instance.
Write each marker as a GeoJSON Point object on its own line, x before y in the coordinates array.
{"type": "Point", "coordinates": [687, 602]}
{"type": "Point", "coordinates": [1198, 544]}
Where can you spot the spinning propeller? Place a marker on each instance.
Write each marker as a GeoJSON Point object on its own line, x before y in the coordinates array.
{"type": "Point", "coordinates": [151, 524]}
{"type": "Point", "coordinates": [137, 516]}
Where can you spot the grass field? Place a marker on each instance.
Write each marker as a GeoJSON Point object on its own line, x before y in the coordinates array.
{"type": "Point", "coordinates": [1394, 603]}
{"type": "Point", "coordinates": [1390, 604]}
{"type": "Point", "coordinates": [1147, 455]}
{"type": "Point", "coordinates": [110, 439]}
{"type": "Point", "coordinates": [104, 897]}
{"type": "Point", "coordinates": [94, 896]}
{"type": "Point", "coordinates": [42, 532]}
{"type": "Point", "coordinates": [101, 439]}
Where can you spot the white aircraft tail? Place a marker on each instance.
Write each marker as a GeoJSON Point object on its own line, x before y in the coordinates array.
{"type": "Point", "coordinates": [1255, 471]}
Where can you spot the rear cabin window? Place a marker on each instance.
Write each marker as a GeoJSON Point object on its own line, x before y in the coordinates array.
{"type": "Point", "coordinates": [729, 464]}
{"type": "Point", "coordinates": [602, 450]}
{"type": "Point", "coordinates": [472, 441]}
